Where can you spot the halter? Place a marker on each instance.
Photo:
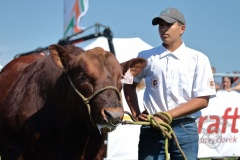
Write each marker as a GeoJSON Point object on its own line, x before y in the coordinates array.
{"type": "Point", "coordinates": [87, 100]}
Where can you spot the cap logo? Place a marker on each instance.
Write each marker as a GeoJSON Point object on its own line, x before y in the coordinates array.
{"type": "Point", "coordinates": [165, 11]}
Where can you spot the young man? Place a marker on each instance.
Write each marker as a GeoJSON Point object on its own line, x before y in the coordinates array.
{"type": "Point", "coordinates": [179, 81]}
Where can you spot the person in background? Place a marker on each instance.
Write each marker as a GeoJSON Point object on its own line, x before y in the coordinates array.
{"type": "Point", "coordinates": [217, 84]}
{"type": "Point", "coordinates": [227, 83]}
{"type": "Point", "coordinates": [235, 88]}
{"type": "Point", "coordinates": [179, 82]}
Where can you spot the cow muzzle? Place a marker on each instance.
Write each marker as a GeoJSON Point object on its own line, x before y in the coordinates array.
{"type": "Point", "coordinates": [112, 116]}
{"type": "Point", "coordinates": [104, 128]}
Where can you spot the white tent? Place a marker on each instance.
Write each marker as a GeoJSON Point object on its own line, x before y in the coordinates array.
{"type": "Point", "coordinates": [125, 48]}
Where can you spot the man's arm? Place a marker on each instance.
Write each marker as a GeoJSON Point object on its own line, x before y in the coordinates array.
{"type": "Point", "coordinates": [190, 107]}
{"type": "Point", "coordinates": [235, 88]}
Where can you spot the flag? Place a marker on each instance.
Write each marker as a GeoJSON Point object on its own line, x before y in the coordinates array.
{"type": "Point", "coordinates": [74, 10]}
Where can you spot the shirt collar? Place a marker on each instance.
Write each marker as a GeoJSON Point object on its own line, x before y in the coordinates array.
{"type": "Point", "coordinates": [177, 53]}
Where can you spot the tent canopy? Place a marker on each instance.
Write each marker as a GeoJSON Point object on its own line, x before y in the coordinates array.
{"type": "Point", "coordinates": [125, 48]}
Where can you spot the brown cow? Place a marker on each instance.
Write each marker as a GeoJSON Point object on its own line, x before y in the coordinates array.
{"type": "Point", "coordinates": [8, 78]}
{"type": "Point", "coordinates": [53, 110]}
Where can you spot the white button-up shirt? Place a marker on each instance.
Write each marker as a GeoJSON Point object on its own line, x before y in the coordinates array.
{"type": "Point", "coordinates": [175, 78]}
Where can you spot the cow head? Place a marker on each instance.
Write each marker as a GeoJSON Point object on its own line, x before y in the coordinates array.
{"type": "Point", "coordinates": [95, 76]}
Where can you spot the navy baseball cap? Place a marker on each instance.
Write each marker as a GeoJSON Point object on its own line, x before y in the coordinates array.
{"type": "Point", "coordinates": [170, 15]}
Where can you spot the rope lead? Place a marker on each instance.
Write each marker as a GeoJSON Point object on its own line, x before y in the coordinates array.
{"type": "Point", "coordinates": [163, 126]}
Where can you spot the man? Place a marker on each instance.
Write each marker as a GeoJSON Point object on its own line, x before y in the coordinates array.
{"type": "Point", "coordinates": [178, 81]}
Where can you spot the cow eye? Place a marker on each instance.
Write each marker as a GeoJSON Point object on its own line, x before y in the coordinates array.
{"type": "Point", "coordinates": [82, 77]}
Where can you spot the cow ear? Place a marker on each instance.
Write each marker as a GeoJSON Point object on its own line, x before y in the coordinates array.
{"type": "Point", "coordinates": [57, 53]}
{"type": "Point", "coordinates": [135, 65]}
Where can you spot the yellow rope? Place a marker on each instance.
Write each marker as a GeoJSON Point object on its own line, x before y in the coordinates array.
{"type": "Point", "coordinates": [164, 127]}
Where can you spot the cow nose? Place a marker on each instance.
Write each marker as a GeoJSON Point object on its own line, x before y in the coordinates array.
{"type": "Point", "coordinates": [113, 115]}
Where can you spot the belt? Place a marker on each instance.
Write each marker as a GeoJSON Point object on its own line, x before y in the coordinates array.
{"type": "Point", "coordinates": [182, 121]}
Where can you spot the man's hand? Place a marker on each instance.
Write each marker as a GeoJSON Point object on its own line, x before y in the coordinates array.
{"type": "Point", "coordinates": [142, 117]}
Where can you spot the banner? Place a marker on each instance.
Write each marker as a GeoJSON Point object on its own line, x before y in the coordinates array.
{"type": "Point", "coordinates": [74, 10]}
{"type": "Point", "coordinates": [218, 128]}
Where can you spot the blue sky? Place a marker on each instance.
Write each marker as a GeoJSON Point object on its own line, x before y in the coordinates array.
{"type": "Point", "coordinates": [212, 25]}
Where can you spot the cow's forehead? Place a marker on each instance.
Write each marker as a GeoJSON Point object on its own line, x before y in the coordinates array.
{"type": "Point", "coordinates": [97, 62]}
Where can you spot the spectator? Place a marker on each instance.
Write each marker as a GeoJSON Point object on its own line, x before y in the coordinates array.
{"type": "Point", "coordinates": [235, 88]}
{"type": "Point", "coordinates": [227, 82]}
{"type": "Point", "coordinates": [226, 85]}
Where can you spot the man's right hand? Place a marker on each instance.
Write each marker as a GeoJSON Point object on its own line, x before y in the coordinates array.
{"type": "Point", "coordinates": [143, 116]}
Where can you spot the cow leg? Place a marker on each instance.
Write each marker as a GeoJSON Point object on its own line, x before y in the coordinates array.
{"type": "Point", "coordinates": [11, 144]}
{"type": "Point", "coordinates": [103, 149]}
{"type": "Point", "coordinates": [15, 150]}
{"type": "Point", "coordinates": [96, 149]}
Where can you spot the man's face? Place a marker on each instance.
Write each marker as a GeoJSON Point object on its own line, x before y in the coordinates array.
{"type": "Point", "coordinates": [170, 32]}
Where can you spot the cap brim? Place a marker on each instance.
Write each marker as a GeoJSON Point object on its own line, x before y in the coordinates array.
{"type": "Point", "coordinates": [156, 20]}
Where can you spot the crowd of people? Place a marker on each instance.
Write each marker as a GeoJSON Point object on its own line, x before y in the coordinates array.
{"type": "Point", "coordinates": [227, 83]}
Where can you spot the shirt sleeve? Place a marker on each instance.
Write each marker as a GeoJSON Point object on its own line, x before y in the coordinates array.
{"type": "Point", "coordinates": [203, 84]}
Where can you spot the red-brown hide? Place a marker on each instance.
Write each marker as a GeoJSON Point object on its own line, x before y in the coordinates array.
{"type": "Point", "coordinates": [42, 116]}
{"type": "Point", "coordinates": [16, 66]}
